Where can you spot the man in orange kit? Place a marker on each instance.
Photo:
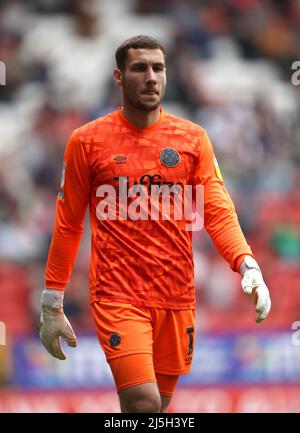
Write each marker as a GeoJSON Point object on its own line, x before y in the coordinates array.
{"type": "Point", "coordinates": [142, 291]}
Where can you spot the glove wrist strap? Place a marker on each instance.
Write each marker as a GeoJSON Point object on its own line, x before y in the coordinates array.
{"type": "Point", "coordinates": [249, 263]}
{"type": "Point", "coordinates": [52, 298]}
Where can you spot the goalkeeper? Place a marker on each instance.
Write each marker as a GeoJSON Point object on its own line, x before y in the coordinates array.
{"type": "Point", "coordinates": [142, 292]}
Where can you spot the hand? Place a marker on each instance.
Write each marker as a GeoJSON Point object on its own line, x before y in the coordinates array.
{"type": "Point", "coordinates": [54, 324]}
{"type": "Point", "coordinates": [253, 284]}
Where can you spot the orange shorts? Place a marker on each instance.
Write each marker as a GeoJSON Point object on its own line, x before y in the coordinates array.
{"type": "Point", "coordinates": [131, 370]}
{"type": "Point", "coordinates": [168, 336]}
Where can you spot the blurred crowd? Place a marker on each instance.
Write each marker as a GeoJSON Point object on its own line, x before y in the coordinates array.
{"type": "Point", "coordinates": [229, 69]}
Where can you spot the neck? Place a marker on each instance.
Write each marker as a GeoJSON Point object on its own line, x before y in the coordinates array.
{"type": "Point", "coordinates": [140, 118]}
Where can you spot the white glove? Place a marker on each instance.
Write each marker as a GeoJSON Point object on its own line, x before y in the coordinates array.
{"type": "Point", "coordinates": [54, 324]}
{"type": "Point", "coordinates": [254, 285]}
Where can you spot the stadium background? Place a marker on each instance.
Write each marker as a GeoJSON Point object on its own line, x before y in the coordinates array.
{"type": "Point", "coordinates": [229, 69]}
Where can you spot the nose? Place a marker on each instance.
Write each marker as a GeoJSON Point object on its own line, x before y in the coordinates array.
{"type": "Point", "coordinates": [151, 76]}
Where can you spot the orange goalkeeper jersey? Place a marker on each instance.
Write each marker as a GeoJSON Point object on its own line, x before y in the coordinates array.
{"type": "Point", "coordinates": [146, 262]}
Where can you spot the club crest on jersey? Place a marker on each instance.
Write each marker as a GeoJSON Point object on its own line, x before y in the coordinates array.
{"type": "Point", "coordinates": [114, 340]}
{"type": "Point", "coordinates": [169, 157]}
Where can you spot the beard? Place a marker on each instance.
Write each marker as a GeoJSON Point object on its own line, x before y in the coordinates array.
{"type": "Point", "coordinates": [146, 106]}
{"type": "Point", "coordinates": [139, 104]}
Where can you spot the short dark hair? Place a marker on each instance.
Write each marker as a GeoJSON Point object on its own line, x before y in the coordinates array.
{"type": "Point", "coordinates": [140, 41]}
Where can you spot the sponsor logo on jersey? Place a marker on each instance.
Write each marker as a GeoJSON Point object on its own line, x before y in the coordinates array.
{"type": "Point", "coordinates": [151, 197]}
{"type": "Point", "coordinates": [169, 157]}
{"type": "Point", "coordinates": [149, 180]}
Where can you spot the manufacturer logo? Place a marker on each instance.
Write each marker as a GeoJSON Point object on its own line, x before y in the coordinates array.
{"type": "Point", "coordinates": [120, 159]}
{"type": "Point", "coordinates": [169, 157]}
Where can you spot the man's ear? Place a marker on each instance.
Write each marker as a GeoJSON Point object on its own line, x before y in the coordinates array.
{"type": "Point", "coordinates": [118, 77]}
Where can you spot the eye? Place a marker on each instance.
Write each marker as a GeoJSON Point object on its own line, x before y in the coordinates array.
{"type": "Point", "coordinates": [139, 68]}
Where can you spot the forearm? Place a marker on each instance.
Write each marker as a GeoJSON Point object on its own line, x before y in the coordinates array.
{"type": "Point", "coordinates": [220, 218]}
{"type": "Point", "coordinates": [62, 254]}
{"type": "Point", "coordinates": [226, 233]}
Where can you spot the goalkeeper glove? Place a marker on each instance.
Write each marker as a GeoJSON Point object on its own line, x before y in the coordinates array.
{"type": "Point", "coordinates": [54, 324]}
{"type": "Point", "coordinates": [254, 285]}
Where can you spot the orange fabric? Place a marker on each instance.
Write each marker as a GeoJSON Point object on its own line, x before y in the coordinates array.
{"type": "Point", "coordinates": [167, 335]}
{"type": "Point", "coordinates": [146, 262]}
{"type": "Point", "coordinates": [166, 384]}
{"type": "Point", "coordinates": [132, 370]}
{"type": "Point", "coordinates": [220, 218]}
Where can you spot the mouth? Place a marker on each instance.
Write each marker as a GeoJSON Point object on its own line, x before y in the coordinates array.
{"type": "Point", "coordinates": [150, 92]}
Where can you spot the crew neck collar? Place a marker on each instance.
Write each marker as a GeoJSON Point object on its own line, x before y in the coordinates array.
{"type": "Point", "coordinates": [136, 128]}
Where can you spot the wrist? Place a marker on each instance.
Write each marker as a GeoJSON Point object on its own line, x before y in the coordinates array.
{"type": "Point", "coordinates": [249, 263]}
{"type": "Point", "coordinates": [51, 298]}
